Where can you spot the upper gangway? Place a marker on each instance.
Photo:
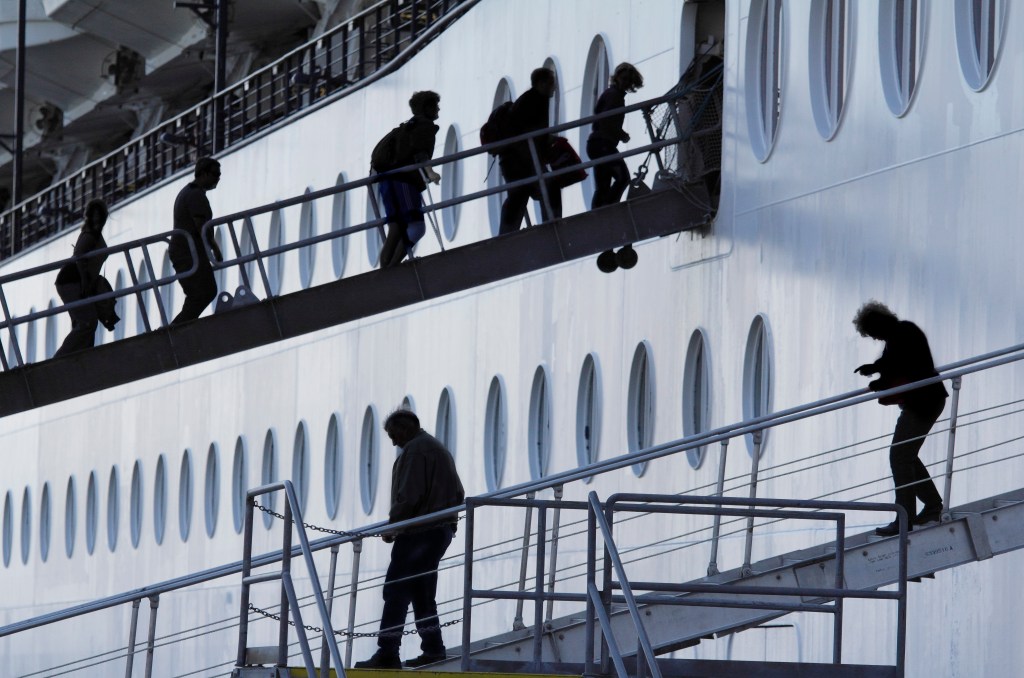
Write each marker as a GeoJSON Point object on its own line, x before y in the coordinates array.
{"type": "Point", "coordinates": [597, 591]}
{"type": "Point", "coordinates": [676, 204]}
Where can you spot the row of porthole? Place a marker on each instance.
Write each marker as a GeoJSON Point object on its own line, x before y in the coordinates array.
{"type": "Point", "coordinates": [978, 27]}
{"type": "Point", "coordinates": [757, 386]}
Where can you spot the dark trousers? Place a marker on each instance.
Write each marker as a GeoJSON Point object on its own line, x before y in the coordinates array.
{"type": "Point", "coordinates": [907, 468]}
{"type": "Point", "coordinates": [611, 178]}
{"type": "Point", "coordinates": [403, 205]}
{"type": "Point", "coordinates": [412, 579]}
{"type": "Point", "coordinates": [83, 320]}
{"type": "Point", "coordinates": [200, 288]}
{"type": "Point", "coordinates": [513, 210]}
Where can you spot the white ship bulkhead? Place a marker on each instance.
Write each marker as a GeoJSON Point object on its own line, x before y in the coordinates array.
{"type": "Point", "coordinates": [918, 210]}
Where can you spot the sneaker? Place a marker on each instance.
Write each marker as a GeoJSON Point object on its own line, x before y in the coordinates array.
{"type": "Point", "coordinates": [928, 514]}
{"type": "Point", "coordinates": [891, 530]}
{"type": "Point", "coordinates": [425, 660]}
{"type": "Point", "coordinates": [381, 660]}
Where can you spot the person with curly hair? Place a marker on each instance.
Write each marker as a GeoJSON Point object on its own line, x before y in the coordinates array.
{"type": "Point", "coordinates": [905, 359]}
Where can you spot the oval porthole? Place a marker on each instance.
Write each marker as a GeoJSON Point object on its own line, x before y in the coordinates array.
{"type": "Point", "coordinates": [588, 413]}
{"type": "Point", "coordinates": [757, 377]}
{"type": "Point", "coordinates": [640, 412]}
{"type": "Point", "coordinates": [333, 466]}
{"type": "Point", "coordinates": [369, 453]}
{"type": "Point", "coordinates": [764, 71]}
{"type": "Point", "coordinates": [495, 434]}
{"type": "Point", "coordinates": [696, 394]}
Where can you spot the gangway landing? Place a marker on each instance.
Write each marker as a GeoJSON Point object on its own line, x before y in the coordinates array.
{"type": "Point", "coordinates": [975, 531]}
{"type": "Point", "coordinates": [291, 315]}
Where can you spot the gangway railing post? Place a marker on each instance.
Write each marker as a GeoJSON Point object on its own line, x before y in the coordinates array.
{"type": "Point", "coordinates": [353, 592]}
{"type": "Point", "coordinates": [717, 529]}
{"type": "Point", "coordinates": [376, 215]}
{"type": "Point", "coordinates": [553, 564]}
{"type": "Point", "coordinates": [754, 464]}
{"type": "Point", "coordinates": [538, 601]}
{"type": "Point", "coordinates": [154, 604]}
{"type": "Point", "coordinates": [539, 169]}
{"type": "Point", "coordinates": [524, 559]}
{"type": "Point", "coordinates": [243, 615]}
{"type": "Point", "coordinates": [259, 258]}
{"type": "Point", "coordinates": [11, 332]}
{"type": "Point", "coordinates": [156, 289]}
{"type": "Point", "coordinates": [838, 582]}
{"type": "Point", "coordinates": [950, 449]}
{"type": "Point", "coordinates": [131, 638]}
{"type": "Point", "coordinates": [243, 274]}
{"type": "Point", "coordinates": [325, 650]}
{"type": "Point", "coordinates": [589, 667]}
{"type": "Point", "coordinates": [143, 311]}
{"type": "Point", "coordinates": [286, 573]}
{"type": "Point", "coordinates": [654, 139]}
{"type": "Point", "coordinates": [467, 589]}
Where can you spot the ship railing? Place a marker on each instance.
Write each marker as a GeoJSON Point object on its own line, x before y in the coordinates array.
{"type": "Point", "coordinates": [608, 583]}
{"type": "Point", "coordinates": [980, 455]}
{"type": "Point", "coordinates": [16, 357]}
{"type": "Point", "coordinates": [349, 56]}
{"type": "Point", "coordinates": [247, 252]}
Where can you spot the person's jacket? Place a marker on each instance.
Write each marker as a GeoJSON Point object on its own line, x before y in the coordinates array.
{"type": "Point", "coordinates": [530, 112]}
{"type": "Point", "coordinates": [419, 136]}
{"type": "Point", "coordinates": [191, 211]}
{"type": "Point", "coordinates": [424, 480]}
{"type": "Point", "coordinates": [609, 129]}
{"type": "Point", "coordinates": [84, 271]}
{"type": "Point", "coordinates": [906, 359]}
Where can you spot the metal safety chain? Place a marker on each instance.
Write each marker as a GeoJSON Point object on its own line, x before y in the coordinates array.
{"type": "Point", "coordinates": [340, 533]}
{"type": "Point", "coordinates": [353, 634]}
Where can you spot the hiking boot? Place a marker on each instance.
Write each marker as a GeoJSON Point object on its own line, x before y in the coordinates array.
{"type": "Point", "coordinates": [425, 659]}
{"type": "Point", "coordinates": [381, 660]}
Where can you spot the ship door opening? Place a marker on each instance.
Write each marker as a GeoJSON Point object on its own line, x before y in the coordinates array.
{"type": "Point", "coordinates": [701, 52]}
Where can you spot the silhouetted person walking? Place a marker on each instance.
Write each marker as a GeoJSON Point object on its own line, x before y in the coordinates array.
{"type": "Point", "coordinates": [423, 480]}
{"type": "Point", "coordinates": [79, 280]}
{"type": "Point", "coordinates": [611, 178]}
{"type": "Point", "coordinates": [529, 113]}
{"type": "Point", "coordinates": [401, 192]}
{"type": "Point", "coordinates": [192, 210]}
{"type": "Point", "coordinates": [905, 359]}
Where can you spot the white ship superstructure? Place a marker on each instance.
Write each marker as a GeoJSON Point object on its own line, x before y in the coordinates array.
{"type": "Point", "coordinates": [869, 150]}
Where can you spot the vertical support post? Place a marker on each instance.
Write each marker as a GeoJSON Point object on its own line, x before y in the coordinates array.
{"type": "Point", "coordinates": [524, 558]}
{"type": "Point", "coordinates": [156, 290]}
{"type": "Point", "coordinates": [754, 464]}
{"type": "Point", "coordinates": [901, 610]}
{"type": "Point", "coordinates": [19, 120]}
{"type": "Point", "coordinates": [467, 590]}
{"type": "Point", "coordinates": [538, 599]}
{"type": "Point", "coordinates": [538, 167]}
{"type": "Point", "coordinates": [353, 592]}
{"type": "Point", "coordinates": [243, 615]}
{"type": "Point", "coordinates": [154, 603]}
{"type": "Point", "coordinates": [259, 258]}
{"type": "Point", "coordinates": [11, 332]}
{"type": "Point", "coordinates": [553, 564]}
{"type": "Point", "coordinates": [589, 667]}
{"type": "Point", "coordinates": [325, 650]}
{"type": "Point", "coordinates": [654, 138]}
{"type": "Point", "coordinates": [950, 449]}
{"type": "Point", "coordinates": [286, 573]}
{"type": "Point", "coordinates": [220, 74]}
{"type": "Point", "coordinates": [131, 638]}
{"type": "Point", "coordinates": [716, 530]}
{"type": "Point", "coordinates": [837, 615]}
{"type": "Point", "coordinates": [143, 311]}
{"type": "Point", "coordinates": [376, 216]}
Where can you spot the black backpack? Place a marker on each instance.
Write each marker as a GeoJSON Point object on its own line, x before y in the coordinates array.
{"type": "Point", "coordinates": [393, 150]}
{"type": "Point", "coordinates": [499, 126]}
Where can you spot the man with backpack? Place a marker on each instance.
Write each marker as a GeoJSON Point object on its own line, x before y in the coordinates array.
{"type": "Point", "coordinates": [410, 143]}
{"type": "Point", "coordinates": [529, 113]}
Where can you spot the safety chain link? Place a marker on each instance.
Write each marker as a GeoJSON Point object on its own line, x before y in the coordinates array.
{"type": "Point", "coordinates": [340, 533]}
{"type": "Point", "coordinates": [352, 634]}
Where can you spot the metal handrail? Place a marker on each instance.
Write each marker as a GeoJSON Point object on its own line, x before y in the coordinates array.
{"type": "Point", "coordinates": [540, 175]}
{"type": "Point", "coordinates": [205, 114]}
{"type": "Point", "coordinates": [11, 322]}
{"type": "Point", "coordinates": [825, 405]}
{"type": "Point", "coordinates": [289, 601]}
